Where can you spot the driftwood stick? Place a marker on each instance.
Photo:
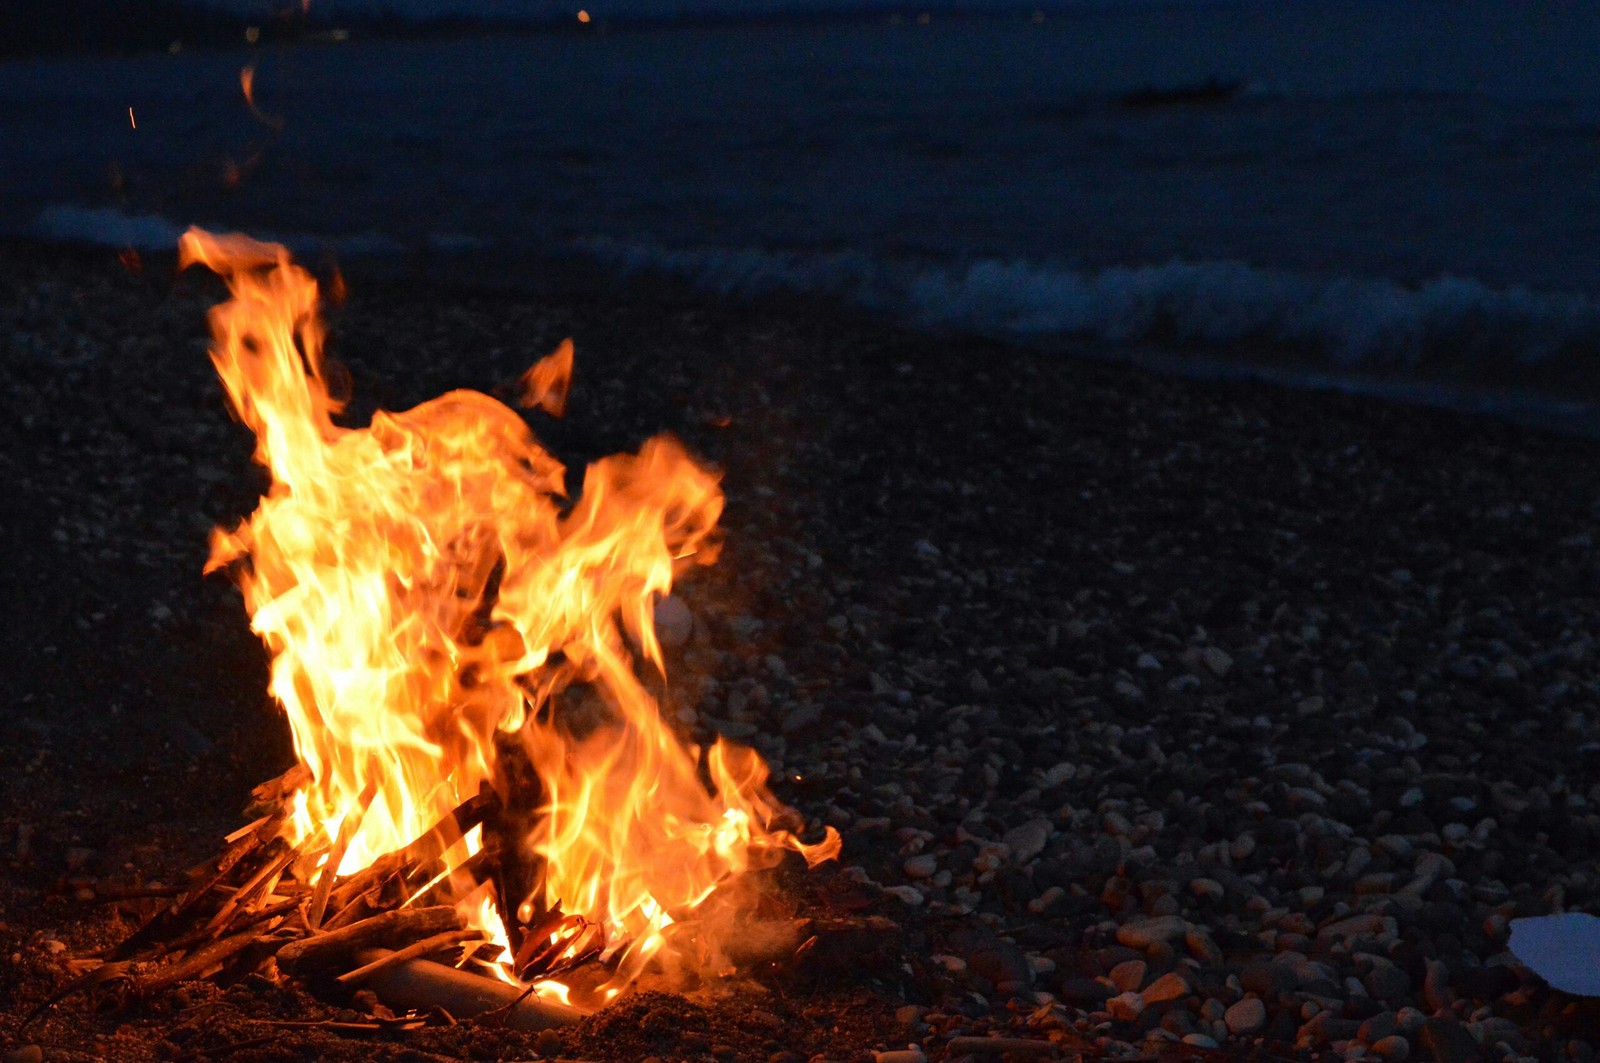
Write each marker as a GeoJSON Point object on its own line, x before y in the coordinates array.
{"type": "Point", "coordinates": [248, 828]}
{"type": "Point", "coordinates": [353, 912]}
{"type": "Point", "coordinates": [204, 878]}
{"type": "Point", "coordinates": [239, 845]}
{"type": "Point", "coordinates": [347, 833]}
{"type": "Point", "coordinates": [410, 952]}
{"type": "Point", "coordinates": [401, 926]}
{"type": "Point", "coordinates": [417, 857]}
{"type": "Point", "coordinates": [206, 933]}
{"type": "Point", "coordinates": [261, 882]}
{"type": "Point", "coordinates": [415, 864]}
{"type": "Point", "coordinates": [237, 856]}
{"type": "Point", "coordinates": [576, 940]}
{"type": "Point", "coordinates": [424, 984]}
{"type": "Point", "coordinates": [195, 965]}
{"type": "Point", "coordinates": [516, 870]}
{"type": "Point", "coordinates": [477, 867]}
{"type": "Point", "coordinates": [270, 796]}
{"type": "Point", "coordinates": [361, 883]}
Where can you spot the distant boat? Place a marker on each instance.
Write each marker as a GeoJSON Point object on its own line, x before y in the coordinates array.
{"type": "Point", "coordinates": [1211, 91]}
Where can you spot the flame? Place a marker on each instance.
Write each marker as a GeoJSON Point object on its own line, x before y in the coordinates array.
{"type": "Point", "coordinates": [546, 384]}
{"type": "Point", "coordinates": [247, 84]}
{"type": "Point", "coordinates": [434, 603]}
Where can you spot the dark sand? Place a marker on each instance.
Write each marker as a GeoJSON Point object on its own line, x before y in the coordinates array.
{"type": "Point", "coordinates": [1290, 695]}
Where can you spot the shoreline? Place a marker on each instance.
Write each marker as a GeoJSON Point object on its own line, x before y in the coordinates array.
{"type": "Point", "coordinates": [1065, 649]}
{"type": "Point", "coordinates": [1533, 396]}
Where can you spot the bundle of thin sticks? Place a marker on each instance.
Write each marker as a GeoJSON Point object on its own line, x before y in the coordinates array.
{"type": "Point", "coordinates": [245, 910]}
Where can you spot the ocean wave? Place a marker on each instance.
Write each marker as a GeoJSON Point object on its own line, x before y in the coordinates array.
{"type": "Point", "coordinates": [1348, 323]}
{"type": "Point", "coordinates": [105, 227]}
{"type": "Point", "coordinates": [1454, 342]}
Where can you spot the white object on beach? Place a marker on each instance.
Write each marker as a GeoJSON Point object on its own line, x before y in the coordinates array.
{"type": "Point", "coordinates": [1562, 949]}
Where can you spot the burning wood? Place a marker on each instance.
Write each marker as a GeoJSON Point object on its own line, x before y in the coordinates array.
{"type": "Point", "coordinates": [421, 984]}
{"type": "Point", "coordinates": [428, 592]}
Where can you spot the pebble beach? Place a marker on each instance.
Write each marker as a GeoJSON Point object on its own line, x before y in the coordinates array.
{"type": "Point", "coordinates": [1161, 718]}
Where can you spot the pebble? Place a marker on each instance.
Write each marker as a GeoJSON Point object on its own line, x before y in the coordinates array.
{"type": "Point", "coordinates": [1001, 962]}
{"type": "Point", "coordinates": [1169, 986]}
{"type": "Point", "coordinates": [1353, 926]}
{"type": "Point", "coordinates": [909, 1014]}
{"type": "Point", "coordinates": [1125, 1006]}
{"type": "Point", "coordinates": [1393, 1048]}
{"type": "Point", "coordinates": [800, 717]}
{"type": "Point", "coordinates": [1203, 948]}
{"type": "Point", "coordinates": [911, 1054]}
{"type": "Point", "coordinates": [674, 622]}
{"type": "Point", "coordinates": [1028, 839]}
{"type": "Point", "coordinates": [909, 894]}
{"type": "Point", "coordinates": [1128, 975]}
{"type": "Point", "coordinates": [1218, 660]}
{"type": "Point", "coordinates": [1245, 1017]}
{"type": "Point", "coordinates": [1444, 1040]}
{"type": "Point", "coordinates": [1377, 1027]}
{"type": "Point", "coordinates": [1436, 990]}
{"type": "Point", "coordinates": [1042, 903]}
{"type": "Point", "coordinates": [1387, 982]}
{"type": "Point", "coordinates": [1146, 932]}
{"type": "Point", "coordinates": [1089, 993]}
{"type": "Point", "coordinates": [921, 866]}
{"type": "Point", "coordinates": [1269, 979]}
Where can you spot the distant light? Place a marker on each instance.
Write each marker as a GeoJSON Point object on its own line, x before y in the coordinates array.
{"type": "Point", "coordinates": [252, 34]}
{"type": "Point", "coordinates": [175, 47]}
{"type": "Point", "coordinates": [1038, 16]}
{"type": "Point", "coordinates": [583, 16]}
{"type": "Point", "coordinates": [924, 18]}
{"type": "Point", "coordinates": [130, 119]}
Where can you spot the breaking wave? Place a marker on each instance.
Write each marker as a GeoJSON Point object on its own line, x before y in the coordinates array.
{"type": "Point", "coordinates": [103, 227]}
{"type": "Point", "coordinates": [1515, 352]}
{"type": "Point", "coordinates": [1348, 323]}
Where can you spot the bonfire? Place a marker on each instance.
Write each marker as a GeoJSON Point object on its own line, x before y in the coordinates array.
{"type": "Point", "coordinates": [464, 653]}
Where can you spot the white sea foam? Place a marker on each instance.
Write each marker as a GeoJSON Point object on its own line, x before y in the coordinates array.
{"type": "Point", "coordinates": [104, 227]}
{"type": "Point", "coordinates": [1350, 322]}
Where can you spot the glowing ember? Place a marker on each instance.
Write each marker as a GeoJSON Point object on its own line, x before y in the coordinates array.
{"type": "Point", "coordinates": [428, 592]}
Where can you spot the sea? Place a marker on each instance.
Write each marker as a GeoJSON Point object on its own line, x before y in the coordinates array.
{"type": "Point", "coordinates": [1399, 197]}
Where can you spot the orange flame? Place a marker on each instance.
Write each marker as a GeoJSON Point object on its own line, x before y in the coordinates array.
{"type": "Point", "coordinates": [425, 587]}
{"type": "Point", "coordinates": [546, 384]}
{"type": "Point", "coordinates": [247, 83]}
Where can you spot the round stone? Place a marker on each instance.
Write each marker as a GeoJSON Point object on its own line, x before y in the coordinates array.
{"type": "Point", "coordinates": [1245, 1017]}
{"type": "Point", "coordinates": [1125, 1006]}
{"type": "Point", "coordinates": [1394, 1048]}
